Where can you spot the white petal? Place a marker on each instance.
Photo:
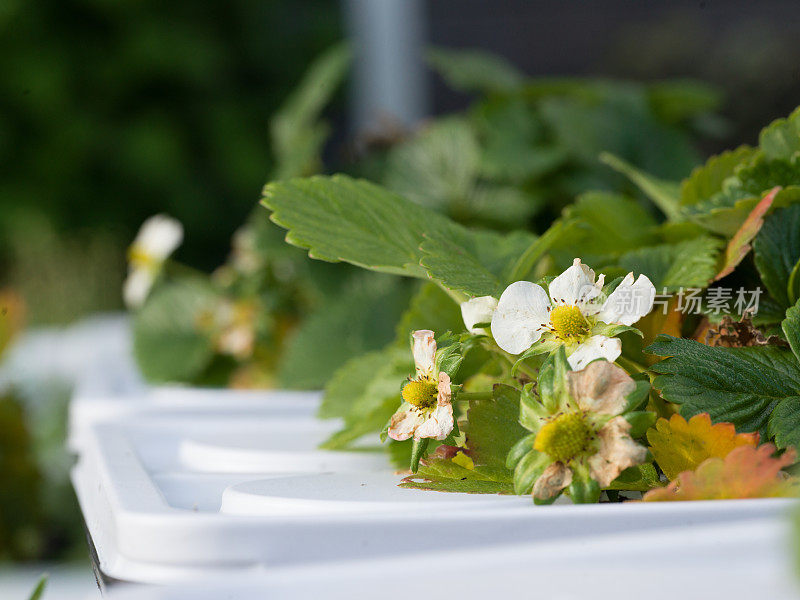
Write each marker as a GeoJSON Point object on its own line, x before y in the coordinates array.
{"type": "Point", "coordinates": [629, 302]}
{"type": "Point", "coordinates": [521, 314]}
{"type": "Point", "coordinates": [574, 286]}
{"type": "Point", "coordinates": [554, 479]}
{"type": "Point", "coordinates": [137, 286]}
{"type": "Point", "coordinates": [478, 310]}
{"type": "Point", "coordinates": [159, 236]}
{"type": "Point", "coordinates": [404, 423]}
{"type": "Point", "coordinates": [600, 388]}
{"type": "Point", "coordinates": [617, 452]}
{"type": "Point", "coordinates": [424, 351]}
{"type": "Point", "coordinates": [439, 423]}
{"type": "Point", "coordinates": [597, 346]}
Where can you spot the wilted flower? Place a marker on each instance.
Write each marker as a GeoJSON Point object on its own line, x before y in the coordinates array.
{"type": "Point", "coordinates": [573, 312]}
{"type": "Point", "coordinates": [580, 432]}
{"type": "Point", "coordinates": [426, 411]}
{"type": "Point", "coordinates": [158, 237]}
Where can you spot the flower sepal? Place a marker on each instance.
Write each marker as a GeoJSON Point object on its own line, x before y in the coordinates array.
{"type": "Point", "coordinates": [529, 468]}
{"type": "Point", "coordinates": [545, 346]}
{"type": "Point", "coordinates": [583, 489]}
{"type": "Point", "coordinates": [552, 386]}
{"type": "Point", "coordinates": [418, 449]}
{"type": "Point", "coordinates": [519, 450]}
{"type": "Point", "coordinates": [532, 413]}
{"type": "Point", "coordinates": [614, 329]}
{"type": "Point", "coordinates": [640, 421]}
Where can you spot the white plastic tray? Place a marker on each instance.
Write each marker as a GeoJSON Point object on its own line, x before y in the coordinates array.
{"type": "Point", "coordinates": [233, 491]}
{"type": "Point", "coordinates": [748, 559]}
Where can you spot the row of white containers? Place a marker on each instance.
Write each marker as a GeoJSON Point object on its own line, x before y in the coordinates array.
{"type": "Point", "coordinates": [225, 494]}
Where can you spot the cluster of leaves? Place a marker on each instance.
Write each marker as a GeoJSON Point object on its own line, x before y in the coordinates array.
{"type": "Point", "coordinates": [688, 246]}
{"type": "Point", "coordinates": [526, 147]}
{"type": "Point", "coordinates": [512, 159]}
{"type": "Point", "coordinates": [239, 327]}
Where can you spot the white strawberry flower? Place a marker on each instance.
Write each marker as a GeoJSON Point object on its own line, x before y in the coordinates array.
{"type": "Point", "coordinates": [426, 411]}
{"type": "Point", "coordinates": [478, 310]}
{"type": "Point", "coordinates": [158, 237]}
{"type": "Point", "coordinates": [573, 312]}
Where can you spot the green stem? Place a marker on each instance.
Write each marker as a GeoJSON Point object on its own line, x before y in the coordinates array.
{"type": "Point", "coordinates": [630, 366]}
{"type": "Point", "coordinates": [525, 263]}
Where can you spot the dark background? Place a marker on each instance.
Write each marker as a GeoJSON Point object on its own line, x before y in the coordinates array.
{"type": "Point", "coordinates": [112, 110]}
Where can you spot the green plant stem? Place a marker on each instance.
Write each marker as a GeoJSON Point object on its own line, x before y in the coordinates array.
{"type": "Point", "coordinates": [630, 366]}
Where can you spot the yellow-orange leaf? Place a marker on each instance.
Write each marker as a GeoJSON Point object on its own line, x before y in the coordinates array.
{"type": "Point", "coordinates": [678, 445]}
{"type": "Point", "coordinates": [746, 472]}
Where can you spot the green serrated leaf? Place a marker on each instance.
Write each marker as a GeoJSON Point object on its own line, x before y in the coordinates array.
{"type": "Point", "coordinates": [438, 167]}
{"type": "Point", "coordinates": [373, 398]}
{"type": "Point", "coordinates": [349, 383]}
{"type": "Point", "coordinates": [359, 319]}
{"type": "Point", "coordinates": [781, 138]}
{"type": "Point", "coordinates": [784, 423]}
{"type": "Point", "coordinates": [640, 478]}
{"type": "Point", "coordinates": [430, 308]}
{"type": "Point", "coordinates": [343, 219]}
{"type": "Point", "coordinates": [688, 264]}
{"type": "Point", "coordinates": [793, 287]}
{"type": "Point", "coordinates": [443, 475]}
{"type": "Point", "coordinates": [602, 225]}
{"type": "Point", "coordinates": [473, 262]}
{"type": "Point", "coordinates": [777, 250]}
{"type": "Point", "coordinates": [738, 385]}
{"type": "Point", "coordinates": [791, 329]}
{"type": "Point", "coordinates": [169, 341]}
{"type": "Point", "coordinates": [474, 70]}
{"type": "Point", "coordinates": [706, 180]}
{"type": "Point", "coordinates": [494, 426]}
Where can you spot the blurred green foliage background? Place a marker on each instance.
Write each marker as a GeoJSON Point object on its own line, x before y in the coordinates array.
{"type": "Point", "coordinates": [112, 110]}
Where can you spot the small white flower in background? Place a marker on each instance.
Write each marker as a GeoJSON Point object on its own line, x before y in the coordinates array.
{"type": "Point", "coordinates": [573, 312]}
{"type": "Point", "coordinates": [478, 310]}
{"type": "Point", "coordinates": [426, 411]}
{"type": "Point", "coordinates": [158, 237]}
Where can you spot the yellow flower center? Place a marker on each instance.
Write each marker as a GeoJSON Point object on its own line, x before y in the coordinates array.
{"type": "Point", "coordinates": [563, 438]}
{"type": "Point", "coordinates": [421, 393]}
{"type": "Point", "coordinates": [569, 322]}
